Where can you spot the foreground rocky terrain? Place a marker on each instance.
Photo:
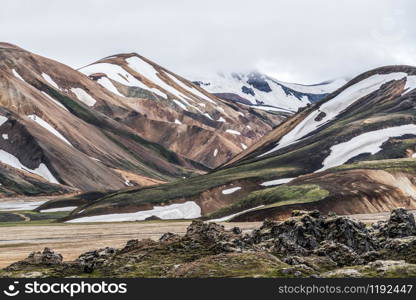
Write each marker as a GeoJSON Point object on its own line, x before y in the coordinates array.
{"type": "Point", "coordinates": [307, 244]}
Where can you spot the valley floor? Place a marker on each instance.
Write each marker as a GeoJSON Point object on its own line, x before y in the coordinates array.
{"type": "Point", "coordinates": [16, 242]}
{"type": "Point", "coordinates": [73, 239]}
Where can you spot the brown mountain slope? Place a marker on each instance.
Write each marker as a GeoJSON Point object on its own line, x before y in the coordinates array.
{"type": "Point", "coordinates": [47, 113]}
{"type": "Point", "coordinates": [172, 111]}
{"type": "Point", "coordinates": [368, 124]}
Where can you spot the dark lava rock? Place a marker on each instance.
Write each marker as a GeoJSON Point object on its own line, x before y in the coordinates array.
{"type": "Point", "coordinates": [257, 81]}
{"type": "Point", "coordinates": [47, 257]}
{"type": "Point", "coordinates": [247, 90]}
{"type": "Point", "coordinates": [153, 218]}
{"type": "Point", "coordinates": [400, 224]}
{"type": "Point", "coordinates": [91, 259]}
{"type": "Point", "coordinates": [169, 236]}
{"type": "Point", "coordinates": [206, 231]}
{"type": "Point", "coordinates": [339, 253]}
{"type": "Point", "coordinates": [320, 116]}
{"type": "Point", "coordinates": [236, 230]}
{"type": "Point", "coordinates": [305, 232]}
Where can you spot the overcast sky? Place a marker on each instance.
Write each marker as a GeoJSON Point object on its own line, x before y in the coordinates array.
{"type": "Point", "coordinates": [300, 41]}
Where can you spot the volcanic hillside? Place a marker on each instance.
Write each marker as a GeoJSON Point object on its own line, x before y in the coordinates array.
{"type": "Point", "coordinates": [57, 126]}
{"type": "Point", "coordinates": [352, 152]}
{"type": "Point", "coordinates": [167, 109]}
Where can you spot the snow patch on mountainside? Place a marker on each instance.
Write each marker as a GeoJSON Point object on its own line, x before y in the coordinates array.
{"type": "Point", "coordinates": [84, 97]}
{"type": "Point", "coordinates": [17, 75]}
{"type": "Point", "coordinates": [226, 218]}
{"type": "Point", "coordinates": [235, 132]}
{"type": "Point", "coordinates": [42, 170]}
{"type": "Point", "coordinates": [50, 81]}
{"type": "Point", "coordinates": [48, 127]}
{"type": "Point", "coordinates": [186, 210]}
{"type": "Point", "coordinates": [240, 84]}
{"type": "Point", "coordinates": [277, 181]}
{"type": "Point", "coordinates": [320, 88]}
{"type": "Point", "coordinates": [190, 89]}
{"type": "Point", "coordinates": [19, 205]}
{"type": "Point", "coordinates": [3, 120]}
{"type": "Point", "coordinates": [149, 72]}
{"type": "Point", "coordinates": [67, 208]}
{"type": "Point", "coordinates": [369, 142]}
{"type": "Point", "coordinates": [410, 84]}
{"type": "Point", "coordinates": [106, 83]}
{"type": "Point", "coordinates": [231, 190]}
{"type": "Point", "coordinates": [117, 73]}
{"type": "Point", "coordinates": [331, 109]}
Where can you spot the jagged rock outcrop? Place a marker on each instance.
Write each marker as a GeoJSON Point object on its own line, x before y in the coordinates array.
{"type": "Point", "coordinates": [47, 257]}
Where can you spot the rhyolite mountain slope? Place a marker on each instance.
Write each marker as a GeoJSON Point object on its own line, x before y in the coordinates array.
{"type": "Point", "coordinates": [116, 128]}
{"type": "Point", "coordinates": [49, 128]}
{"type": "Point", "coordinates": [172, 111]}
{"type": "Point", "coordinates": [265, 92]}
{"type": "Point", "coordinates": [352, 152]}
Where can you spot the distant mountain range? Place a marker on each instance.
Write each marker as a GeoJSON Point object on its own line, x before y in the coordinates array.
{"type": "Point", "coordinates": [265, 92]}
{"type": "Point", "coordinates": [149, 143]}
{"type": "Point", "coordinates": [131, 122]}
{"type": "Point", "coordinates": [351, 152]}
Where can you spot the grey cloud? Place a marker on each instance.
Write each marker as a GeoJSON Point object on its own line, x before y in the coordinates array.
{"type": "Point", "coordinates": [302, 41]}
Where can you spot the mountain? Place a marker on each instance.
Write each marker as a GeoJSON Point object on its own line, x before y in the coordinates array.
{"type": "Point", "coordinates": [130, 123]}
{"type": "Point", "coordinates": [52, 127]}
{"type": "Point", "coordinates": [177, 114]}
{"type": "Point", "coordinates": [265, 92]}
{"type": "Point", "coordinates": [351, 152]}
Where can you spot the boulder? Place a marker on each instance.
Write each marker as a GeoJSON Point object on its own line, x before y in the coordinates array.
{"type": "Point", "coordinates": [401, 224]}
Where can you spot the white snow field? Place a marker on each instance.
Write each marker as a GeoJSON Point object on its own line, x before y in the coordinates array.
{"type": "Point", "coordinates": [410, 84]}
{"type": "Point", "coordinates": [48, 127]}
{"type": "Point", "coordinates": [66, 208]}
{"type": "Point", "coordinates": [50, 81]}
{"type": "Point", "coordinates": [320, 88]}
{"type": "Point", "coordinates": [17, 75]}
{"type": "Point", "coordinates": [42, 170]}
{"type": "Point", "coordinates": [83, 96]}
{"type": "Point", "coordinates": [107, 84]}
{"type": "Point", "coordinates": [186, 210]}
{"type": "Point", "coordinates": [19, 205]}
{"type": "Point", "coordinates": [231, 190]}
{"type": "Point", "coordinates": [277, 181]}
{"type": "Point", "coordinates": [233, 131]}
{"type": "Point", "coordinates": [117, 73]}
{"type": "Point", "coordinates": [3, 120]}
{"type": "Point", "coordinates": [334, 107]}
{"type": "Point", "coordinates": [369, 142]}
{"type": "Point", "coordinates": [150, 73]}
{"type": "Point", "coordinates": [227, 83]}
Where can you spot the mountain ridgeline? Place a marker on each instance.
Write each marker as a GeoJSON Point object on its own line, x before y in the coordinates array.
{"type": "Point", "coordinates": [351, 152]}
{"type": "Point", "coordinates": [128, 123]}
